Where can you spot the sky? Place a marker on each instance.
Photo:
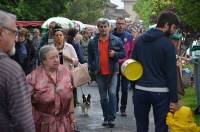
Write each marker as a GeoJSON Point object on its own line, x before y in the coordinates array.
{"type": "Point", "coordinates": [119, 3]}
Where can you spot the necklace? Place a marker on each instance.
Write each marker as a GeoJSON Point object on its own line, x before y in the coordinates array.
{"type": "Point", "coordinates": [60, 48]}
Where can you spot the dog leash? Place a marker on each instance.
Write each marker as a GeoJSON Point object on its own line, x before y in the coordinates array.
{"type": "Point", "coordinates": [82, 90]}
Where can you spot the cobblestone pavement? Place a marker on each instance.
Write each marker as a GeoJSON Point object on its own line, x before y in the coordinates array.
{"type": "Point", "coordinates": [92, 122]}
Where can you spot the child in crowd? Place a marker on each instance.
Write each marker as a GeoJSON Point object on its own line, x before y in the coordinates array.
{"type": "Point", "coordinates": [182, 121]}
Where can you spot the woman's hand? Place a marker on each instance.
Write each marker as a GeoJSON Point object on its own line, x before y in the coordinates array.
{"type": "Point", "coordinates": [75, 61]}
{"type": "Point", "coordinates": [73, 125]}
{"type": "Point", "coordinates": [67, 58]}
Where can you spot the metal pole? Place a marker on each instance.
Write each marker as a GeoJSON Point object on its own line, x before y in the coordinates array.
{"type": "Point", "coordinates": [197, 80]}
{"type": "Point", "coordinates": [198, 83]}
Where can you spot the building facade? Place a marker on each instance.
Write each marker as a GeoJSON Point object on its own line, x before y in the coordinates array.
{"type": "Point", "coordinates": [128, 7]}
{"type": "Point", "coordinates": [111, 11]}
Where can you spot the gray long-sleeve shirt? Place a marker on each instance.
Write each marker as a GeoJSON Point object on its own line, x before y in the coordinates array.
{"type": "Point", "coordinates": [15, 100]}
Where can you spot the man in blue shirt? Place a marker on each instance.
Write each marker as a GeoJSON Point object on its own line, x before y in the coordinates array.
{"type": "Point", "coordinates": [122, 81]}
{"type": "Point", "coordinates": [158, 85]}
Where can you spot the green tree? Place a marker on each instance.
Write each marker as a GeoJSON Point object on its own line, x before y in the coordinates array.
{"type": "Point", "coordinates": [35, 9]}
{"type": "Point", "coordinates": [189, 12]}
{"type": "Point", "coordinates": [143, 8]}
{"type": "Point", "coordinates": [148, 10]}
{"type": "Point", "coordinates": [86, 11]}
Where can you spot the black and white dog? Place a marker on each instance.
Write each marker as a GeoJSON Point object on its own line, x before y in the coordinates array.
{"type": "Point", "coordinates": [85, 105]}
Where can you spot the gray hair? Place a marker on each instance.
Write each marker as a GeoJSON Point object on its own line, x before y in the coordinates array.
{"type": "Point", "coordinates": [43, 52]}
{"type": "Point", "coordinates": [102, 21]}
{"type": "Point", "coordinates": [36, 29]}
{"type": "Point", "coordinates": [5, 17]}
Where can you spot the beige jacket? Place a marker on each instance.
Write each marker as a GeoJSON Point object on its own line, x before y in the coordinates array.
{"type": "Point", "coordinates": [69, 52]}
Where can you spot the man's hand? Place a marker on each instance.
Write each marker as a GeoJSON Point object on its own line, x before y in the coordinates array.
{"type": "Point", "coordinates": [173, 107]}
{"type": "Point", "coordinates": [111, 53]}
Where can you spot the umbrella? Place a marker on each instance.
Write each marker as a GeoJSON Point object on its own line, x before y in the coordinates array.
{"type": "Point", "coordinates": [152, 26]}
{"type": "Point", "coordinates": [79, 25]}
{"type": "Point", "coordinates": [64, 22]}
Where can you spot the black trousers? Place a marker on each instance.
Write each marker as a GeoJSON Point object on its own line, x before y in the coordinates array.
{"type": "Point", "coordinates": [143, 100]}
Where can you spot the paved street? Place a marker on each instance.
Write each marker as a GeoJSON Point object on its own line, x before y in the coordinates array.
{"type": "Point", "coordinates": [92, 121]}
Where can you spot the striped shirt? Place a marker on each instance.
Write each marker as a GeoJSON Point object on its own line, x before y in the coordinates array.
{"type": "Point", "coordinates": [15, 100]}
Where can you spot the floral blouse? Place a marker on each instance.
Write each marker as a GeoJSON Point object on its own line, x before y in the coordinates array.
{"type": "Point", "coordinates": [52, 100]}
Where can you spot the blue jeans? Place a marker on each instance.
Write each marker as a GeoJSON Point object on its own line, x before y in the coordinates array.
{"type": "Point", "coordinates": [123, 82]}
{"type": "Point", "coordinates": [107, 89]}
{"type": "Point", "coordinates": [143, 101]}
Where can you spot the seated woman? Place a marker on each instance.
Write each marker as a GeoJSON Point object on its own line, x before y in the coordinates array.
{"type": "Point", "coordinates": [52, 93]}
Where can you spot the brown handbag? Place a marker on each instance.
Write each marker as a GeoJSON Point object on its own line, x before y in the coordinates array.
{"type": "Point", "coordinates": [180, 87]}
{"type": "Point", "coordinates": [80, 75]}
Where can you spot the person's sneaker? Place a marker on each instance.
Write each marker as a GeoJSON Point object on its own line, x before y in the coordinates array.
{"type": "Point", "coordinates": [111, 124]}
{"type": "Point", "coordinates": [123, 113]}
{"type": "Point", "coordinates": [105, 123]}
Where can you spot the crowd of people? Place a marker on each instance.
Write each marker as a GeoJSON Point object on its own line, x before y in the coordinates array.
{"type": "Point", "coordinates": [36, 89]}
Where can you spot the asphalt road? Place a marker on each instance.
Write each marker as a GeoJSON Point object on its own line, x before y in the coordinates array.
{"type": "Point", "coordinates": [92, 122]}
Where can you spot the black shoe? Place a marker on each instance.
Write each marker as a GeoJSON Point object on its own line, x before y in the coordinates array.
{"type": "Point", "coordinates": [123, 113]}
{"type": "Point", "coordinates": [111, 124]}
{"type": "Point", "coordinates": [105, 123]}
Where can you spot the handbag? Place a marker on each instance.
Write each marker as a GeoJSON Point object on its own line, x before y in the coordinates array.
{"type": "Point", "coordinates": [80, 75]}
{"type": "Point", "coordinates": [180, 87]}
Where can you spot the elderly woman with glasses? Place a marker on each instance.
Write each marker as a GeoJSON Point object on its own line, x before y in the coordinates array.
{"type": "Point", "coordinates": [52, 93]}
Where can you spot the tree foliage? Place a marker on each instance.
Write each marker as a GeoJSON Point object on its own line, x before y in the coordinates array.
{"type": "Point", "coordinates": [86, 11]}
{"type": "Point", "coordinates": [148, 10]}
{"type": "Point", "coordinates": [34, 9]}
{"type": "Point", "coordinates": [143, 9]}
{"type": "Point", "coordinates": [188, 11]}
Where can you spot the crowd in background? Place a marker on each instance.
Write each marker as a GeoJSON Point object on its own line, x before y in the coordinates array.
{"type": "Point", "coordinates": [72, 46]}
{"type": "Point", "coordinates": [28, 42]}
{"type": "Point", "coordinates": [47, 61]}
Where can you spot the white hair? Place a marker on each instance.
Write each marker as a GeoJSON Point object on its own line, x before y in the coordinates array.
{"type": "Point", "coordinates": [5, 18]}
{"type": "Point", "coordinates": [43, 52]}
